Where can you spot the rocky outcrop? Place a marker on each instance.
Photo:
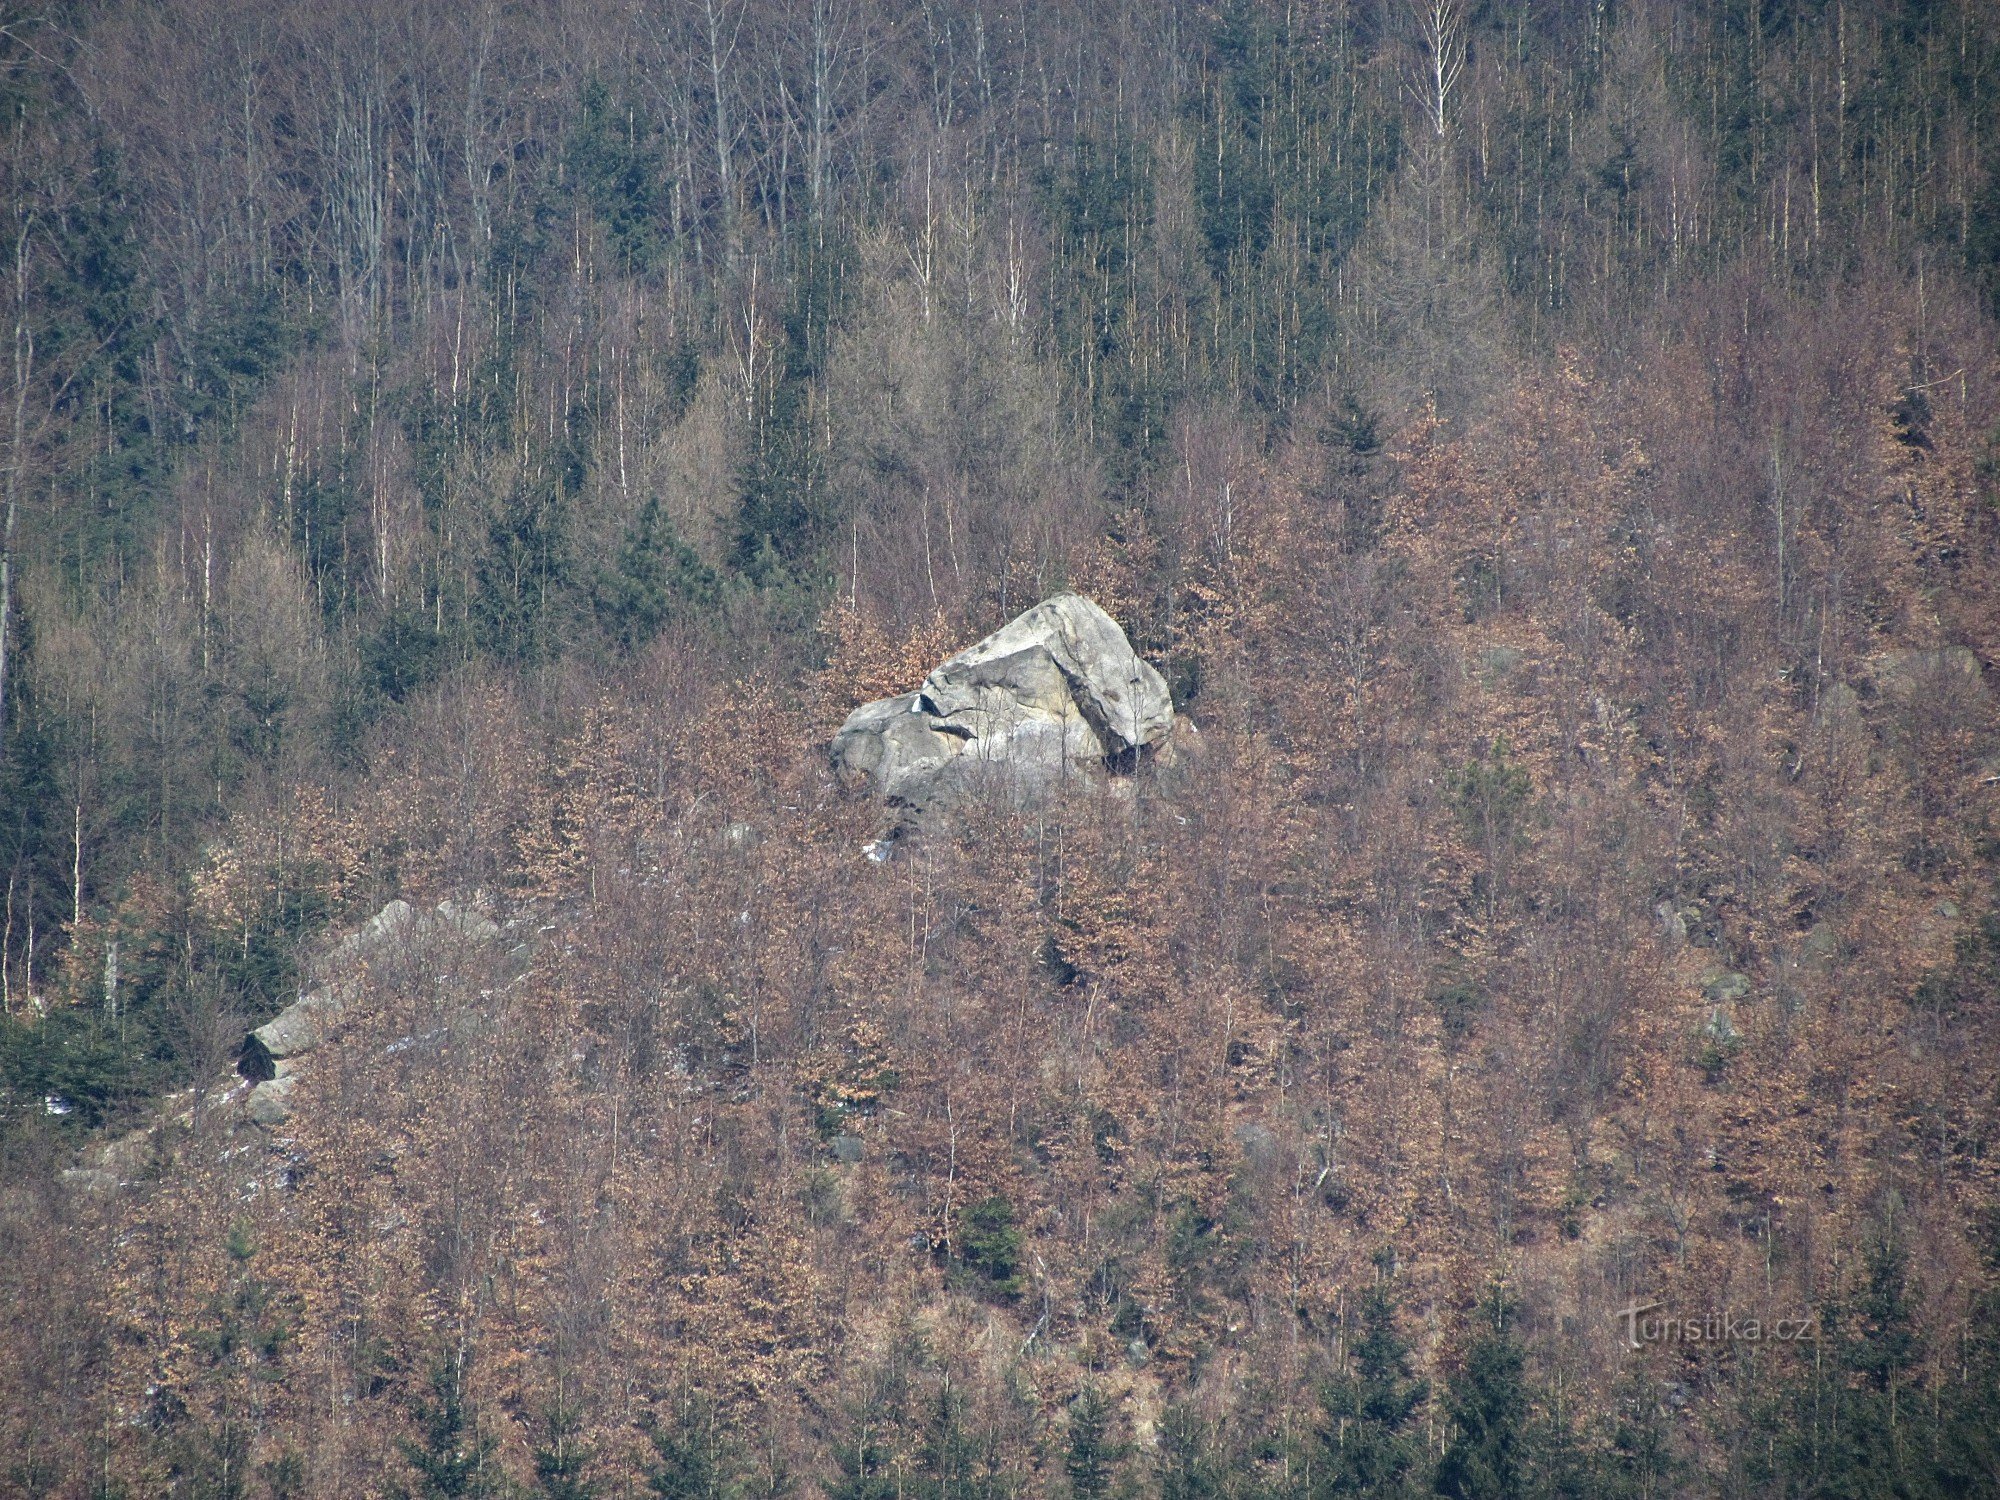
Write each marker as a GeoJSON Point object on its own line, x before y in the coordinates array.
{"type": "Point", "coordinates": [299, 1027]}
{"type": "Point", "coordinates": [307, 1021]}
{"type": "Point", "coordinates": [1056, 691]}
{"type": "Point", "coordinates": [269, 1055]}
{"type": "Point", "coordinates": [399, 943]}
{"type": "Point", "coordinates": [270, 1103]}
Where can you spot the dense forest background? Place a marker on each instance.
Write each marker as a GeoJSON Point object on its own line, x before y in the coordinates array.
{"type": "Point", "coordinates": [482, 449]}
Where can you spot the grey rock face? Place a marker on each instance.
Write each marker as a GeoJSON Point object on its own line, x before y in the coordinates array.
{"type": "Point", "coordinates": [1056, 690]}
{"type": "Point", "coordinates": [465, 922]}
{"type": "Point", "coordinates": [1496, 664]}
{"type": "Point", "coordinates": [894, 746]}
{"type": "Point", "coordinates": [269, 1051]}
{"type": "Point", "coordinates": [391, 922]}
{"type": "Point", "coordinates": [1122, 697]}
{"type": "Point", "coordinates": [1723, 986]}
{"type": "Point", "coordinates": [299, 1027]}
{"type": "Point", "coordinates": [270, 1103]}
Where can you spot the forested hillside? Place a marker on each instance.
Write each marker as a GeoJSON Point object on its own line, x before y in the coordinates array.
{"type": "Point", "coordinates": [481, 451]}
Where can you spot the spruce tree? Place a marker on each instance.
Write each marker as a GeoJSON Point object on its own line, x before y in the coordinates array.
{"type": "Point", "coordinates": [1861, 1429]}
{"type": "Point", "coordinates": [562, 1462]}
{"type": "Point", "coordinates": [1968, 1448]}
{"type": "Point", "coordinates": [450, 1463]}
{"type": "Point", "coordinates": [1368, 1445]}
{"type": "Point", "coordinates": [1093, 1457]}
{"type": "Point", "coordinates": [865, 1466]}
{"type": "Point", "coordinates": [696, 1460]}
{"type": "Point", "coordinates": [1187, 1465]}
{"type": "Point", "coordinates": [1639, 1459]}
{"type": "Point", "coordinates": [655, 573]}
{"type": "Point", "coordinates": [1488, 1406]}
{"type": "Point", "coordinates": [952, 1462]}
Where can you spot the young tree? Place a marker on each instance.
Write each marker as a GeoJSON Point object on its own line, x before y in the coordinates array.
{"type": "Point", "coordinates": [654, 575]}
{"type": "Point", "coordinates": [1487, 1403]}
{"type": "Point", "coordinates": [951, 1460]}
{"type": "Point", "coordinates": [563, 1463]}
{"type": "Point", "coordinates": [1094, 1455]}
{"type": "Point", "coordinates": [696, 1459]}
{"type": "Point", "coordinates": [1858, 1428]}
{"type": "Point", "coordinates": [1369, 1446]}
{"type": "Point", "coordinates": [867, 1469]}
{"type": "Point", "coordinates": [453, 1460]}
{"type": "Point", "coordinates": [1188, 1465]}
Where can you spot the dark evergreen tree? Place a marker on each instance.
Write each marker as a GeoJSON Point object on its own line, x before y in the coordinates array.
{"type": "Point", "coordinates": [1093, 1455]}
{"type": "Point", "coordinates": [452, 1459]}
{"type": "Point", "coordinates": [786, 507]}
{"type": "Point", "coordinates": [989, 1247]}
{"type": "Point", "coordinates": [617, 167]}
{"type": "Point", "coordinates": [1638, 1461]}
{"type": "Point", "coordinates": [1188, 1464]}
{"type": "Point", "coordinates": [563, 1462]}
{"type": "Point", "coordinates": [1859, 1428]}
{"type": "Point", "coordinates": [1968, 1448]}
{"type": "Point", "coordinates": [1487, 1403]}
{"type": "Point", "coordinates": [952, 1463]}
{"type": "Point", "coordinates": [402, 654]}
{"type": "Point", "coordinates": [34, 862]}
{"type": "Point", "coordinates": [654, 575]}
{"type": "Point", "coordinates": [865, 1465]}
{"type": "Point", "coordinates": [523, 576]}
{"type": "Point", "coordinates": [695, 1458]}
{"type": "Point", "coordinates": [1368, 1445]}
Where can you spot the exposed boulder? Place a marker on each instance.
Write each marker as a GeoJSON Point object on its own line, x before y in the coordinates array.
{"type": "Point", "coordinates": [90, 1180]}
{"type": "Point", "coordinates": [1056, 690]}
{"type": "Point", "coordinates": [299, 1027]}
{"type": "Point", "coordinates": [462, 921]}
{"type": "Point", "coordinates": [1495, 664]}
{"type": "Point", "coordinates": [391, 922]}
{"type": "Point", "coordinates": [1721, 986]}
{"type": "Point", "coordinates": [270, 1103]}
{"type": "Point", "coordinates": [1122, 697]}
{"type": "Point", "coordinates": [895, 746]}
{"type": "Point", "coordinates": [309, 1021]}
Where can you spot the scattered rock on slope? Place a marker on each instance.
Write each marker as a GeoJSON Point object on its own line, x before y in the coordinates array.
{"type": "Point", "coordinates": [270, 1053]}
{"type": "Point", "coordinates": [304, 1024]}
{"type": "Point", "coordinates": [1055, 691]}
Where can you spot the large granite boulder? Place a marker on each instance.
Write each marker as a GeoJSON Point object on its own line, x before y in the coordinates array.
{"type": "Point", "coordinates": [1056, 691]}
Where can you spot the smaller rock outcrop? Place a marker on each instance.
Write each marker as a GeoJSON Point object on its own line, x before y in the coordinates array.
{"type": "Point", "coordinates": [306, 1022]}
{"type": "Point", "coordinates": [270, 1103]}
{"type": "Point", "coordinates": [270, 1053]}
{"type": "Point", "coordinates": [299, 1027]}
{"type": "Point", "coordinates": [1055, 691]}
{"type": "Point", "coordinates": [1722, 985]}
